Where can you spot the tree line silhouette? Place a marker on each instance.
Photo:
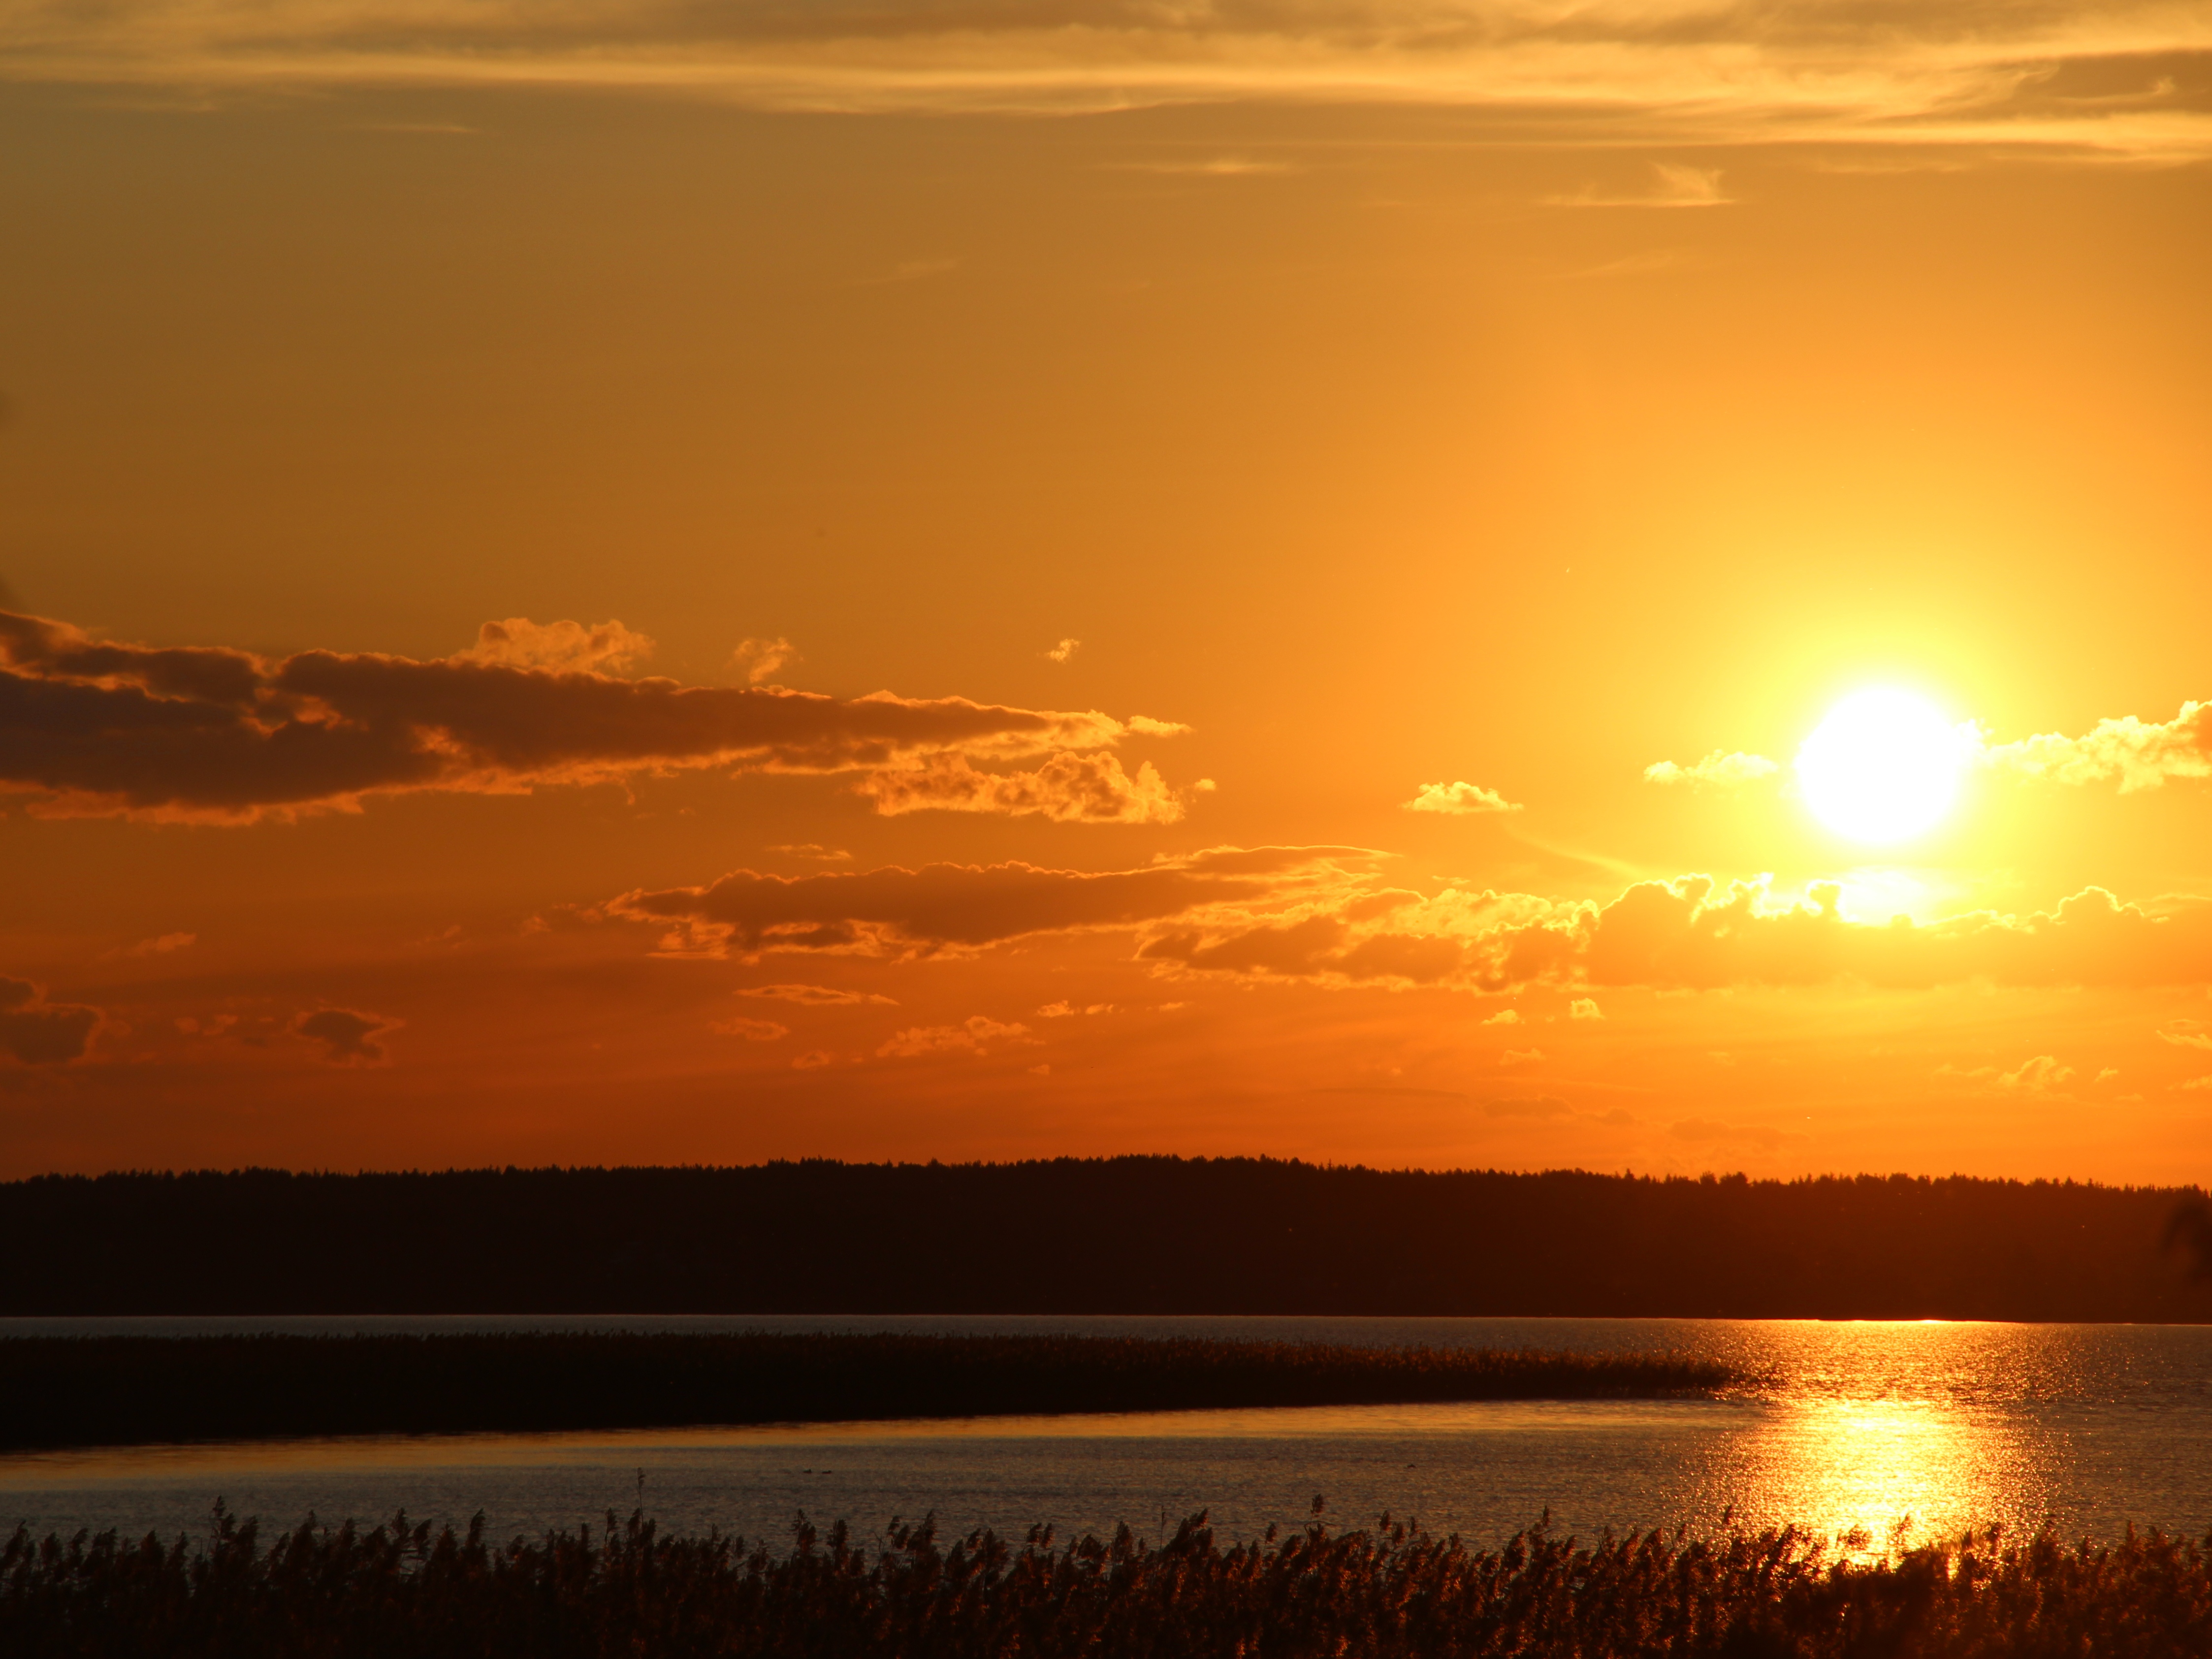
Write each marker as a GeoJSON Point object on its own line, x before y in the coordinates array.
{"type": "Point", "coordinates": [84, 1391]}
{"type": "Point", "coordinates": [1123, 1235]}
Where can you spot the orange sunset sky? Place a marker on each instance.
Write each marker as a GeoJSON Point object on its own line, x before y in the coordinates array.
{"type": "Point", "coordinates": [653, 582]}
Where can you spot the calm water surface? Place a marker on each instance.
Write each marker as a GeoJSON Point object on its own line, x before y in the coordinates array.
{"type": "Point", "coordinates": [1927, 1427]}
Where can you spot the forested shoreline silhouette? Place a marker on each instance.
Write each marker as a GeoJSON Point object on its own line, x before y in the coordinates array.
{"type": "Point", "coordinates": [1135, 1235]}
{"type": "Point", "coordinates": [88, 1391]}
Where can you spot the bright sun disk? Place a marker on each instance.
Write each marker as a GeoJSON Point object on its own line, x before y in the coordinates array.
{"type": "Point", "coordinates": [1882, 767]}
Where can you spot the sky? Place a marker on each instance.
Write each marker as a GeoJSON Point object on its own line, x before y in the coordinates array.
{"type": "Point", "coordinates": [1443, 585]}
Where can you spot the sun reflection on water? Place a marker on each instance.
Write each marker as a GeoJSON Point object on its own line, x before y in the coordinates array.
{"type": "Point", "coordinates": [1886, 1472]}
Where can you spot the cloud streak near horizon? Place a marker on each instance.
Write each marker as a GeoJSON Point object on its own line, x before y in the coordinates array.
{"type": "Point", "coordinates": [2115, 80]}
{"type": "Point", "coordinates": [213, 735]}
{"type": "Point", "coordinates": [954, 908]}
{"type": "Point", "coordinates": [2138, 754]}
{"type": "Point", "coordinates": [1319, 915]}
{"type": "Point", "coordinates": [1693, 934]}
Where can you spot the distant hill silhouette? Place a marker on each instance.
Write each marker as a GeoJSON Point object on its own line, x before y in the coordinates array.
{"type": "Point", "coordinates": [1124, 1235]}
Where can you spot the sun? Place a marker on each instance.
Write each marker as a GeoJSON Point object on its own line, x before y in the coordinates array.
{"type": "Point", "coordinates": [1883, 767]}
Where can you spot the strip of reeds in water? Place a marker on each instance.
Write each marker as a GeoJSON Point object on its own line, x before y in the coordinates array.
{"type": "Point", "coordinates": [1382, 1594]}
{"type": "Point", "coordinates": [83, 1391]}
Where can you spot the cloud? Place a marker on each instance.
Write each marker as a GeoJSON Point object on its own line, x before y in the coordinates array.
{"type": "Point", "coordinates": [36, 1032]}
{"type": "Point", "coordinates": [758, 660]}
{"type": "Point", "coordinates": [1217, 167]}
{"type": "Point", "coordinates": [160, 945]}
{"type": "Point", "coordinates": [2039, 1075]}
{"type": "Point", "coordinates": [2141, 754]}
{"type": "Point", "coordinates": [1068, 789]}
{"type": "Point", "coordinates": [1459, 799]}
{"type": "Point", "coordinates": [1952, 75]}
{"type": "Point", "coordinates": [1674, 185]}
{"type": "Point", "coordinates": [2198, 1084]}
{"type": "Point", "coordinates": [1584, 1008]}
{"type": "Point", "coordinates": [1065, 650]}
{"type": "Point", "coordinates": [217, 735]}
{"type": "Point", "coordinates": [348, 1037]}
{"type": "Point", "coordinates": [816, 996]}
{"type": "Point", "coordinates": [1513, 1057]}
{"type": "Point", "coordinates": [559, 647]}
{"type": "Point", "coordinates": [2038, 1078]}
{"type": "Point", "coordinates": [1688, 933]}
{"type": "Point", "coordinates": [952, 907]}
{"type": "Point", "coordinates": [969, 1037]}
{"type": "Point", "coordinates": [813, 853]}
{"type": "Point", "coordinates": [1539, 1106]}
{"type": "Point", "coordinates": [753, 1030]}
{"type": "Point", "coordinates": [812, 1060]}
{"type": "Point", "coordinates": [1505, 1017]}
{"type": "Point", "coordinates": [1721, 769]}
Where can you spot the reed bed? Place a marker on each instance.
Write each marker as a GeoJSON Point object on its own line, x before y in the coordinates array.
{"type": "Point", "coordinates": [80, 1391]}
{"type": "Point", "coordinates": [395, 1589]}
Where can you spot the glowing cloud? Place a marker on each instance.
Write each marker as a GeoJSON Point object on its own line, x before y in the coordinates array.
{"type": "Point", "coordinates": [759, 660]}
{"type": "Point", "coordinates": [1689, 933]}
{"type": "Point", "coordinates": [215, 735]}
{"type": "Point", "coordinates": [1734, 71]}
{"type": "Point", "coordinates": [1068, 789]}
{"type": "Point", "coordinates": [969, 1037]}
{"type": "Point", "coordinates": [2141, 754]}
{"type": "Point", "coordinates": [1723, 769]}
{"type": "Point", "coordinates": [753, 1030]}
{"type": "Point", "coordinates": [564, 648]}
{"type": "Point", "coordinates": [953, 908]}
{"type": "Point", "coordinates": [1459, 799]}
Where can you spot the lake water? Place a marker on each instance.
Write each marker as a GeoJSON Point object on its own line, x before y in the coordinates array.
{"type": "Point", "coordinates": [1927, 1427]}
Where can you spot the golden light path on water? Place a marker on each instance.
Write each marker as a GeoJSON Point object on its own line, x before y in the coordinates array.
{"type": "Point", "coordinates": [1890, 1471]}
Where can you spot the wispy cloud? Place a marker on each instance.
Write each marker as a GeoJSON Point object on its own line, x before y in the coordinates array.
{"type": "Point", "coordinates": [1673, 185]}
{"type": "Point", "coordinates": [2063, 76]}
{"type": "Point", "coordinates": [2136, 753]}
{"type": "Point", "coordinates": [1213, 167]}
{"type": "Point", "coordinates": [1724, 770]}
{"type": "Point", "coordinates": [1461, 800]}
{"type": "Point", "coordinates": [209, 734]}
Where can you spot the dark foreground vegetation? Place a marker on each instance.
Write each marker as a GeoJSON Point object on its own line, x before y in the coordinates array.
{"type": "Point", "coordinates": [395, 1589]}
{"type": "Point", "coordinates": [1131, 1234]}
{"type": "Point", "coordinates": [82, 1391]}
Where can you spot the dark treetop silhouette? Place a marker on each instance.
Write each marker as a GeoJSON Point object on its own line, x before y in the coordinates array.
{"type": "Point", "coordinates": [1128, 1235]}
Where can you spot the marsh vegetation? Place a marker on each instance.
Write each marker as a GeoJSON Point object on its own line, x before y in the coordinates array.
{"type": "Point", "coordinates": [1381, 1593]}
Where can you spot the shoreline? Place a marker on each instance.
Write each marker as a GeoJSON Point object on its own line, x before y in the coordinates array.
{"type": "Point", "coordinates": [63, 1393]}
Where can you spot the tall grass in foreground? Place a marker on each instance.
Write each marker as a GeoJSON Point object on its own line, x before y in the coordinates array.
{"type": "Point", "coordinates": [397, 1590]}
{"type": "Point", "coordinates": [64, 1391]}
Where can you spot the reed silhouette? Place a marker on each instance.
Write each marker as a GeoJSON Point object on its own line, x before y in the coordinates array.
{"type": "Point", "coordinates": [1391, 1592]}
{"type": "Point", "coordinates": [65, 1391]}
{"type": "Point", "coordinates": [1131, 1234]}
